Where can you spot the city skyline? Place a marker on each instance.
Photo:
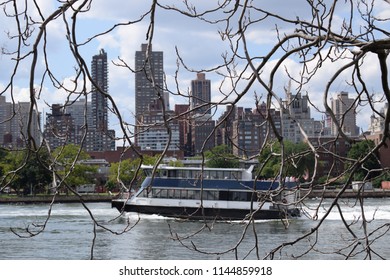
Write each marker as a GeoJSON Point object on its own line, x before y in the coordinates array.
{"type": "Point", "coordinates": [72, 117]}
{"type": "Point", "coordinates": [172, 37]}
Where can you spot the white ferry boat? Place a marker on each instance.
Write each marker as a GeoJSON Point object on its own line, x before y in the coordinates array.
{"type": "Point", "coordinates": [210, 193]}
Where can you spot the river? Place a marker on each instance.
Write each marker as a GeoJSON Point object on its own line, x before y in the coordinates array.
{"type": "Point", "coordinates": [69, 234]}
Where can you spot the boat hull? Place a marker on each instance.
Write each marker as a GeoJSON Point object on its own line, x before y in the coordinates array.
{"type": "Point", "coordinates": [201, 213]}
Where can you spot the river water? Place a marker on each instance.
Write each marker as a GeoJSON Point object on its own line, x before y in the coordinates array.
{"type": "Point", "coordinates": [69, 234]}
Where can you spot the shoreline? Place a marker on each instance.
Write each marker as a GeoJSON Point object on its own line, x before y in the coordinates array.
{"type": "Point", "coordinates": [349, 193]}
{"type": "Point", "coordinates": [58, 199]}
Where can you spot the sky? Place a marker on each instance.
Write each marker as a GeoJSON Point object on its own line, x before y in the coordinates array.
{"type": "Point", "coordinates": [198, 43]}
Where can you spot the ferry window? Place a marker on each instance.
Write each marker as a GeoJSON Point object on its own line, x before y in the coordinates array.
{"type": "Point", "coordinates": [197, 194]}
{"type": "Point", "coordinates": [191, 194]}
{"type": "Point", "coordinates": [197, 175]}
{"type": "Point", "coordinates": [213, 175]}
{"type": "Point", "coordinates": [160, 193]}
{"type": "Point", "coordinates": [226, 175]}
{"type": "Point", "coordinates": [171, 193]}
{"type": "Point", "coordinates": [236, 175]}
{"type": "Point", "coordinates": [144, 193]}
{"type": "Point", "coordinates": [210, 195]}
{"type": "Point", "coordinates": [164, 173]}
{"type": "Point", "coordinates": [239, 196]}
{"type": "Point", "coordinates": [174, 193]}
{"type": "Point", "coordinates": [223, 195]}
{"type": "Point", "coordinates": [156, 193]}
{"type": "Point", "coordinates": [178, 194]}
{"type": "Point", "coordinates": [184, 194]}
{"type": "Point", "coordinates": [147, 172]}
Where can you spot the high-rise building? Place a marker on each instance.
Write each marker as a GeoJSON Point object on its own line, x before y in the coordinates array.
{"type": "Point", "coordinates": [183, 118]}
{"type": "Point", "coordinates": [203, 135]}
{"type": "Point", "coordinates": [344, 109]}
{"type": "Point", "coordinates": [376, 134]}
{"type": "Point", "coordinates": [224, 133]}
{"type": "Point", "coordinates": [81, 112]}
{"type": "Point", "coordinates": [250, 130]}
{"type": "Point", "coordinates": [201, 95]}
{"type": "Point", "coordinates": [99, 71]}
{"type": "Point", "coordinates": [99, 137]}
{"type": "Point", "coordinates": [377, 121]}
{"type": "Point", "coordinates": [296, 118]}
{"type": "Point", "coordinates": [202, 127]}
{"type": "Point", "coordinates": [149, 94]}
{"type": "Point", "coordinates": [70, 123]}
{"type": "Point", "coordinates": [157, 136]}
{"type": "Point", "coordinates": [59, 127]}
{"type": "Point", "coordinates": [6, 138]}
{"type": "Point", "coordinates": [17, 126]}
{"type": "Point", "coordinates": [149, 79]}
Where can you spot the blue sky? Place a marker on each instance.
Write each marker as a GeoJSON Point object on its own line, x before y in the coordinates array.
{"type": "Point", "coordinates": [198, 43]}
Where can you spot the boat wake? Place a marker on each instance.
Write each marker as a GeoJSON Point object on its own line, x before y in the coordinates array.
{"type": "Point", "coordinates": [136, 216]}
{"type": "Point", "coordinates": [350, 211]}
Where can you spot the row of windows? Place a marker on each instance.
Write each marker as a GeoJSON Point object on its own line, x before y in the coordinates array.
{"type": "Point", "coordinates": [197, 194]}
{"type": "Point", "coordinates": [195, 174]}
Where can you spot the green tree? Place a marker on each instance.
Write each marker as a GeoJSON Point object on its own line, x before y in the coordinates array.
{"type": "Point", "coordinates": [124, 172]}
{"type": "Point", "coordinates": [3, 154]}
{"type": "Point", "coordinates": [357, 153]}
{"type": "Point", "coordinates": [298, 160]}
{"type": "Point", "coordinates": [221, 157]}
{"type": "Point", "coordinates": [27, 171]}
{"type": "Point", "coordinates": [70, 165]}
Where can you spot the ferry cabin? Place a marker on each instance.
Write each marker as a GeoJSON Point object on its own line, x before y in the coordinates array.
{"type": "Point", "coordinates": [221, 193]}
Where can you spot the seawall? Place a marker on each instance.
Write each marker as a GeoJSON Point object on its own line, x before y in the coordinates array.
{"type": "Point", "coordinates": [58, 198]}
{"type": "Point", "coordinates": [349, 193]}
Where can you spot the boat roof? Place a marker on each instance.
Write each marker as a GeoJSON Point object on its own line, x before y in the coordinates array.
{"type": "Point", "coordinates": [168, 167]}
